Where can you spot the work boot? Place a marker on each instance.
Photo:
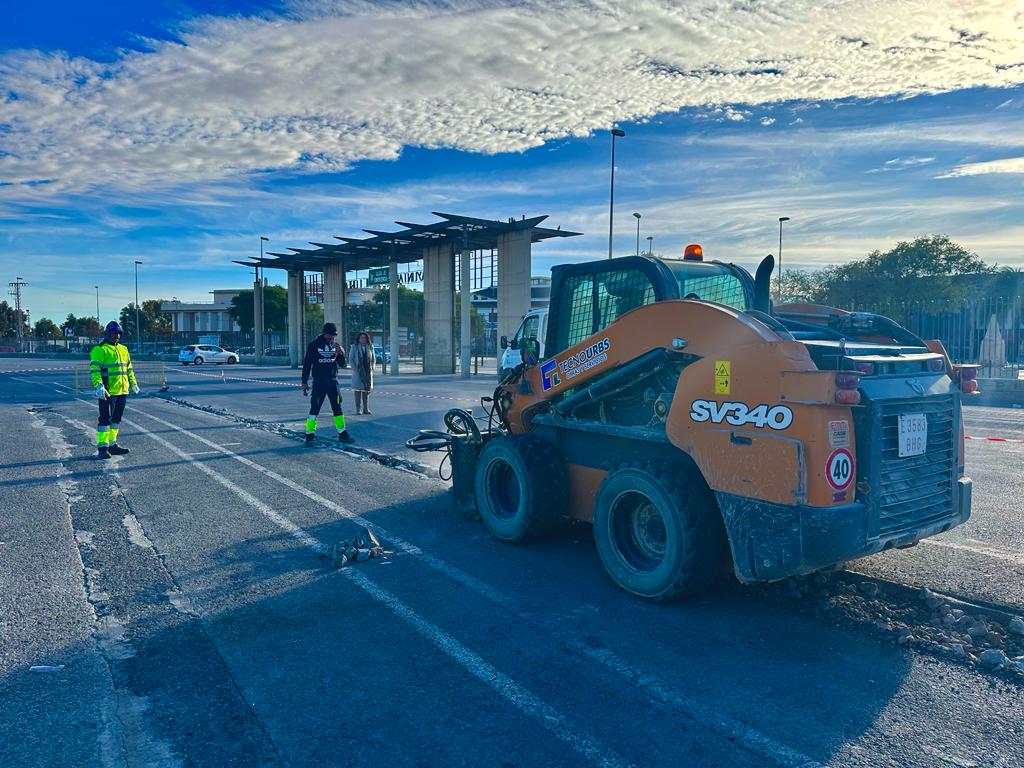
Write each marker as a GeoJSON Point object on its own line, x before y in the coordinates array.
{"type": "Point", "coordinates": [117, 450]}
{"type": "Point", "coordinates": [309, 440]}
{"type": "Point", "coordinates": [102, 452]}
{"type": "Point", "coordinates": [358, 412]}
{"type": "Point", "coordinates": [345, 437]}
{"type": "Point", "coordinates": [367, 412]}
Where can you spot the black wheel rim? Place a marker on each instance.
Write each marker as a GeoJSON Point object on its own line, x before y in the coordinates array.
{"type": "Point", "coordinates": [638, 532]}
{"type": "Point", "coordinates": [502, 487]}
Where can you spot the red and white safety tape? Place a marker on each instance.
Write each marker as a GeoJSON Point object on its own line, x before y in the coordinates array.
{"type": "Point", "coordinates": [994, 439]}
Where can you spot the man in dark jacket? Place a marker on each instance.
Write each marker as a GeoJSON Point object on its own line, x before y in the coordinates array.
{"type": "Point", "coordinates": [322, 358]}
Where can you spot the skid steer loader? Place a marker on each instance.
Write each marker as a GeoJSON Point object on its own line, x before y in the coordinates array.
{"type": "Point", "coordinates": [695, 425]}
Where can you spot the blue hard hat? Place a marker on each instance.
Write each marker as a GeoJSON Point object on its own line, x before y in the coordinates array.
{"type": "Point", "coordinates": [114, 327]}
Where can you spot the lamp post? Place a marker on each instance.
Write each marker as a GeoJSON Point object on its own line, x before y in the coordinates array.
{"type": "Point", "coordinates": [611, 194]}
{"type": "Point", "coordinates": [97, 303]}
{"type": "Point", "coordinates": [138, 328]}
{"type": "Point", "coordinates": [650, 245]}
{"type": "Point", "coordinates": [637, 216]}
{"type": "Point", "coordinates": [778, 290]}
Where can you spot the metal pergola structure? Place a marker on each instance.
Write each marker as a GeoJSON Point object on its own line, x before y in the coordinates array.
{"type": "Point", "coordinates": [404, 246]}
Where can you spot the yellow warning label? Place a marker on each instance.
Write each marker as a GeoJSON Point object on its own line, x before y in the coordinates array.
{"type": "Point", "coordinates": [723, 377]}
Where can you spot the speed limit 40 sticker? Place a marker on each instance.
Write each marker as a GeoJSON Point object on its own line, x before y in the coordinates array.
{"type": "Point", "coordinates": [839, 470]}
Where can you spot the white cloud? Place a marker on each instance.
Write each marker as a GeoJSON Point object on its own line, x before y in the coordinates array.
{"type": "Point", "coordinates": [901, 164]}
{"type": "Point", "coordinates": [767, 121]}
{"type": "Point", "coordinates": [329, 84]}
{"type": "Point", "coordinates": [1006, 165]}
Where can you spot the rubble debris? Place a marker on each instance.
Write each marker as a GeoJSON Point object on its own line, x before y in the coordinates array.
{"type": "Point", "coordinates": [869, 589]}
{"type": "Point", "coordinates": [345, 552]}
{"type": "Point", "coordinates": [918, 619]}
{"type": "Point", "coordinates": [993, 658]}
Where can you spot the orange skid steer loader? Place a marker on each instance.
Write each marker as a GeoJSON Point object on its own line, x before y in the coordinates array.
{"type": "Point", "coordinates": [694, 424]}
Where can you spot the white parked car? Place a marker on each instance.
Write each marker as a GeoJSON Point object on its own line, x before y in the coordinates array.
{"type": "Point", "coordinates": [197, 354]}
{"type": "Point", "coordinates": [382, 354]}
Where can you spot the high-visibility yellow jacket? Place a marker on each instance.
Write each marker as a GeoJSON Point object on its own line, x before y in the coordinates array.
{"type": "Point", "coordinates": [111, 366]}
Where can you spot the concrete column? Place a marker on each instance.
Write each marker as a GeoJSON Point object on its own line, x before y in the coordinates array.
{"type": "Point", "coordinates": [257, 317]}
{"type": "Point", "coordinates": [334, 299]}
{"type": "Point", "coordinates": [514, 266]}
{"type": "Point", "coordinates": [466, 290]}
{"type": "Point", "coordinates": [393, 312]}
{"type": "Point", "coordinates": [438, 310]}
{"type": "Point", "coordinates": [293, 319]}
{"type": "Point", "coordinates": [300, 300]}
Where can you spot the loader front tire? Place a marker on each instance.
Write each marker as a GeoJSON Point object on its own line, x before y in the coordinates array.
{"type": "Point", "coordinates": [521, 486]}
{"type": "Point", "coordinates": [658, 531]}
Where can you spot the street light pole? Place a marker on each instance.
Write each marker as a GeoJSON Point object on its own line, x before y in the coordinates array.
{"type": "Point", "coordinates": [637, 215]}
{"type": "Point", "coordinates": [650, 245]}
{"type": "Point", "coordinates": [97, 303]}
{"type": "Point", "coordinates": [138, 328]}
{"type": "Point", "coordinates": [778, 290]}
{"type": "Point", "coordinates": [611, 194]}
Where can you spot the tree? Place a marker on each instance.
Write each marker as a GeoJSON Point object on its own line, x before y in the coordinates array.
{"type": "Point", "coordinates": [798, 286]}
{"type": "Point", "coordinates": [926, 269]}
{"type": "Point", "coordinates": [9, 321]}
{"type": "Point", "coordinates": [275, 309]}
{"type": "Point", "coordinates": [158, 322]}
{"type": "Point", "coordinates": [127, 321]}
{"type": "Point", "coordinates": [410, 307]}
{"type": "Point", "coordinates": [45, 328]}
{"type": "Point", "coordinates": [83, 326]}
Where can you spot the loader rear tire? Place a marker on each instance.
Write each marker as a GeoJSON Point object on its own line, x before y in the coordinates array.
{"type": "Point", "coordinates": [521, 486]}
{"type": "Point", "coordinates": [658, 531]}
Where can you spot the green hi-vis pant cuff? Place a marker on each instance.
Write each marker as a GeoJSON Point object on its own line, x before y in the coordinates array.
{"type": "Point", "coordinates": [339, 422]}
{"type": "Point", "coordinates": [310, 426]}
{"type": "Point", "coordinates": [113, 435]}
{"type": "Point", "coordinates": [102, 437]}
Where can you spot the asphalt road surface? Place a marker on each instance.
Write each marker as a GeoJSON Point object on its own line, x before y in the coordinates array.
{"type": "Point", "coordinates": [174, 607]}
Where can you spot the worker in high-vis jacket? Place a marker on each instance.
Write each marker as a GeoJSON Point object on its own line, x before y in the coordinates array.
{"type": "Point", "coordinates": [113, 378]}
{"type": "Point", "coordinates": [322, 358]}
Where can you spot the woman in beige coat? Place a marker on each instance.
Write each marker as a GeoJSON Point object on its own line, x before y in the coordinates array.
{"type": "Point", "coordinates": [362, 359]}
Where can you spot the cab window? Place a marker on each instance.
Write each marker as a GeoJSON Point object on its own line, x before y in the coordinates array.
{"type": "Point", "coordinates": [710, 282]}
{"type": "Point", "coordinates": [528, 330]}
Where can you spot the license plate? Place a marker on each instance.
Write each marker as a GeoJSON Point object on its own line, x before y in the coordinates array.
{"type": "Point", "coordinates": [913, 434]}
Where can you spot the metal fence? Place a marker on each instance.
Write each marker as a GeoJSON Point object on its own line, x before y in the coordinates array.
{"type": "Point", "coordinates": [150, 376]}
{"type": "Point", "coordinates": [986, 331]}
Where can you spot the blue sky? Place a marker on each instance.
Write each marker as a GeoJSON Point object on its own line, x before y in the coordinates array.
{"type": "Point", "coordinates": [177, 133]}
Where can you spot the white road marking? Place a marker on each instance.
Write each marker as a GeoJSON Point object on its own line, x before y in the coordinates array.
{"type": "Point", "coordinates": [978, 548]}
{"type": "Point", "coordinates": [506, 687]}
{"type": "Point", "coordinates": [749, 737]}
{"type": "Point", "coordinates": [409, 548]}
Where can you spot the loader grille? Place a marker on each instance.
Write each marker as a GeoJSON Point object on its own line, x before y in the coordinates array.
{"type": "Point", "coordinates": [914, 492]}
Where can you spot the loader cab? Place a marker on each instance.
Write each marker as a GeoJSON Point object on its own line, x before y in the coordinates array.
{"type": "Point", "coordinates": [589, 296]}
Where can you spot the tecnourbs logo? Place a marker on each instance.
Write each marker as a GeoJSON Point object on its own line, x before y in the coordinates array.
{"type": "Point", "coordinates": [741, 414]}
{"type": "Point", "coordinates": [574, 365]}
{"type": "Point", "coordinates": [549, 374]}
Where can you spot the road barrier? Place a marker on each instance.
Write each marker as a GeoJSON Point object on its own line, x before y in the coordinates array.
{"type": "Point", "coordinates": [149, 375]}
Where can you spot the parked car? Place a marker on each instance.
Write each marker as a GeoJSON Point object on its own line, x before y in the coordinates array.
{"type": "Point", "coordinates": [382, 354]}
{"type": "Point", "coordinates": [245, 351]}
{"type": "Point", "coordinates": [197, 354]}
{"type": "Point", "coordinates": [276, 351]}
